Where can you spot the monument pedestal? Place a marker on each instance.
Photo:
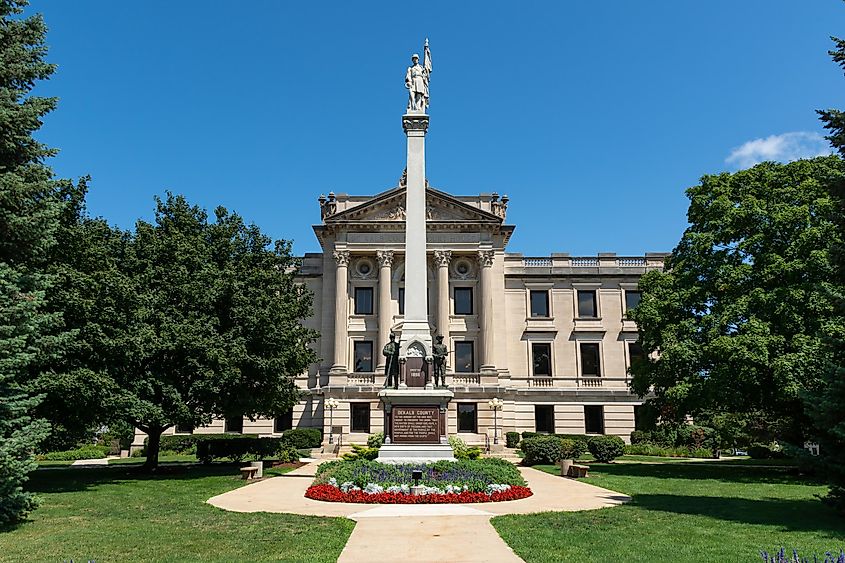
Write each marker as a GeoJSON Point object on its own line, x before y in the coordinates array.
{"type": "Point", "coordinates": [415, 425]}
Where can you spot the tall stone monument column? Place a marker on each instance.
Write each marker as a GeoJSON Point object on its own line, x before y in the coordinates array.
{"type": "Point", "coordinates": [415, 327]}
{"type": "Point", "coordinates": [385, 263]}
{"type": "Point", "coordinates": [442, 259]}
{"type": "Point", "coordinates": [485, 260]}
{"type": "Point", "coordinates": [341, 311]}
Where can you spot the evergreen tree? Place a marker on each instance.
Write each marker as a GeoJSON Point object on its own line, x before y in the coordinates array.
{"type": "Point", "coordinates": [826, 405]}
{"type": "Point", "coordinates": [28, 219]}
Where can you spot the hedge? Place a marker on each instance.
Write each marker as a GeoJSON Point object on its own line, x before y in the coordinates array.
{"type": "Point", "coordinates": [84, 452]}
{"type": "Point", "coordinates": [303, 438]}
{"type": "Point", "coordinates": [541, 449]}
{"type": "Point", "coordinates": [606, 448]}
{"type": "Point", "coordinates": [512, 439]}
{"type": "Point", "coordinates": [237, 447]}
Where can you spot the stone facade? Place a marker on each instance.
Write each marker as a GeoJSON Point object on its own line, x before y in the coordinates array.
{"type": "Point", "coordinates": [546, 335]}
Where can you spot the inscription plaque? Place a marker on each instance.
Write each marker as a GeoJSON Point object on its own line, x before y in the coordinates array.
{"type": "Point", "coordinates": [415, 425]}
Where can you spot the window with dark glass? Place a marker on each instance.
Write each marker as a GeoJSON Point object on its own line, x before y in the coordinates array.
{"type": "Point", "coordinates": [594, 419]}
{"type": "Point", "coordinates": [401, 300]}
{"type": "Point", "coordinates": [467, 417]}
{"type": "Point", "coordinates": [361, 417]}
{"type": "Point", "coordinates": [184, 429]}
{"type": "Point", "coordinates": [363, 300]}
{"type": "Point", "coordinates": [635, 353]}
{"type": "Point", "coordinates": [234, 425]}
{"type": "Point", "coordinates": [463, 300]}
{"type": "Point", "coordinates": [587, 308]}
{"type": "Point", "coordinates": [364, 356]}
{"type": "Point", "coordinates": [590, 363]}
{"type": "Point", "coordinates": [632, 299]}
{"type": "Point", "coordinates": [284, 422]}
{"type": "Point", "coordinates": [542, 355]}
{"type": "Point", "coordinates": [544, 419]}
{"type": "Point", "coordinates": [539, 303]}
{"type": "Point", "coordinates": [464, 357]}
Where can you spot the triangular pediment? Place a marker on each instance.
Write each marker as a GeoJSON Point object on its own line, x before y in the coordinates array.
{"type": "Point", "coordinates": [389, 206]}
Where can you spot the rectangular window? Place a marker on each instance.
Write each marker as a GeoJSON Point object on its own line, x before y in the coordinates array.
{"type": "Point", "coordinates": [590, 363]}
{"type": "Point", "coordinates": [364, 356]}
{"type": "Point", "coordinates": [284, 422]}
{"type": "Point", "coordinates": [587, 308]}
{"type": "Point", "coordinates": [594, 419]}
{"type": "Point", "coordinates": [234, 425]}
{"type": "Point", "coordinates": [363, 300]}
{"type": "Point", "coordinates": [401, 300]}
{"type": "Point", "coordinates": [184, 429]}
{"type": "Point", "coordinates": [541, 353]}
{"type": "Point", "coordinates": [463, 300]}
{"type": "Point", "coordinates": [467, 417]}
{"type": "Point", "coordinates": [539, 303]}
{"type": "Point", "coordinates": [361, 417]}
{"type": "Point", "coordinates": [464, 357]}
{"type": "Point", "coordinates": [636, 354]}
{"type": "Point", "coordinates": [632, 299]}
{"type": "Point", "coordinates": [544, 419]}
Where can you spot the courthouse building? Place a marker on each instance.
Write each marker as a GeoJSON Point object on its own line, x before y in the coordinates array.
{"type": "Point", "coordinates": [548, 335]}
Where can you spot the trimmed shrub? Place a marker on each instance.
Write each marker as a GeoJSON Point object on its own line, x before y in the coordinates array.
{"type": "Point", "coordinates": [640, 437]}
{"type": "Point", "coordinates": [646, 448]}
{"type": "Point", "coordinates": [361, 452]}
{"type": "Point", "coordinates": [287, 454]}
{"type": "Point", "coordinates": [375, 440]}
{"type": "Point", "coordinates": [606, 448]}
{"type": "Point", "coordinates": [473, 453]}
{"type": "Point", "coordinates": [85, 452]}
{"type": "Point", "coordinates": [237, 447]}
{"type": "Point", "coordinates": [181, 443]}
{"type": "Point", "coordinates": [530, 435]}
{"type": "Point", "coordinates": [572, 449]}
{"type": "Point", "coordinates": [302, 438]}
{"type": "Point", "coordinates": [542, 450]}
{"type": "Point", "coordinates": [512, 439]}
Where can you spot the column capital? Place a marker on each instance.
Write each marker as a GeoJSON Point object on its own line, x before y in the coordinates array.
{"type": "Point", "coordinates": [342, 257]}
{"type": "Point", "coordinates": [485, 258]}
{"type": "Point", "coordinates": [415, 123]}
{"type": "Point", "coordinates": [442, 258]}
{"type": "Point", "coordinates": [385, 258]}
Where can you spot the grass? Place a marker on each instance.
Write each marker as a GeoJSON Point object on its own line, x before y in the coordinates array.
{"type": "Point", "coordinates": [114, 513]}
{"type": "Point", "coordinates": [699, 511]}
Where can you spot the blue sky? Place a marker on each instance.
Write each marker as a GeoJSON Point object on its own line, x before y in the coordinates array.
{"type": "Point", "coordinates": [594, 117]}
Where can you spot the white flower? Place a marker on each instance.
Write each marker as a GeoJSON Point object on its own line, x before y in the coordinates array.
{"type": "Point", "coordinates": [496, 488]}
{"type": "Point", "coordinates": [349, 486]}
{"type": "Point", "coordinates": [333, 482]}
{"type": "Point", "coordinates": [373, 489]}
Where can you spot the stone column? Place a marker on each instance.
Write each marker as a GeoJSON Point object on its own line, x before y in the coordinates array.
{"type": "Point", "coordinates": [385, 262]}
{"type": "Point", "coordinates": [442, 259]}
{"type": "Point", "coordinates": [341, 311]}
{"type": "Point", "coordinates": [485, 260]}
{"type": "Point", "coordinates": [415, 326]}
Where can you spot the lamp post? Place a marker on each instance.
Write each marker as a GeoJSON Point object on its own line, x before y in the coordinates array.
{"type": "Point", "coordinates": [331, 404]}
{"type": "Point", "coordinates": [496, 404]}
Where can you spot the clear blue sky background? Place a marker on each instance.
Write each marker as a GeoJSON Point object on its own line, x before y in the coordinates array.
{"type": "Point", "coordinates": [593, 117]}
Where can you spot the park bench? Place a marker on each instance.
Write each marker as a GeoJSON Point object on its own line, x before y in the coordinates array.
{"type": "Point", "coordinates": [248, 473]}
{"type": "Point", "coordinates": [578, 471]}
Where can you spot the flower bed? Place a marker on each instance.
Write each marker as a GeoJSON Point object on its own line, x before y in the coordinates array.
{"type": "Point", "coordinates": [330, 493]}
{"type": "Point", "coordinates": [466, 481]}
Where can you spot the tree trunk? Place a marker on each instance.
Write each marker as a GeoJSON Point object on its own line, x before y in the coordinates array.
{"type": "Point", "coordinates": [153, 446]}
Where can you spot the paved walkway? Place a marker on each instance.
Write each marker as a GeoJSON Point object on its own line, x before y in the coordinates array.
{"type": "Point", "coordinates": [425, 532]}
{"type": "Point", "coordinates": [94, 462]}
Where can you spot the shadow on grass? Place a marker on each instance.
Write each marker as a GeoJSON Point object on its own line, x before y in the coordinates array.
{"type": "Point", "coordinates": [715, 470]}
{"type": "Point", "coordinates": [790, 515]}
{"type": "Point", "coordinates": [69, 479]}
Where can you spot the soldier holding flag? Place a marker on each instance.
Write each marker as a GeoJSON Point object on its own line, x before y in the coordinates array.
{"type": "Point", "coordinates": [416, 81]}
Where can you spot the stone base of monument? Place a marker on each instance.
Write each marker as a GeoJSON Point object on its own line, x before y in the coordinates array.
{"type": "Point", "coordinates": [415, 453]}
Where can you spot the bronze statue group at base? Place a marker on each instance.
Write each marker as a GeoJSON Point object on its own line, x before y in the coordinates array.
{"type": "Point", "coordinates": [391, 367]}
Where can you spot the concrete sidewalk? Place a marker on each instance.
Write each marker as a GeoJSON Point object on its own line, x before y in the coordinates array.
{"type": "Point", "coordinates": [419, 532]}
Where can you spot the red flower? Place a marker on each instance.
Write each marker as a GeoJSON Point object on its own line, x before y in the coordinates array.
{"type": "Point", "coordinates": [329, 493]}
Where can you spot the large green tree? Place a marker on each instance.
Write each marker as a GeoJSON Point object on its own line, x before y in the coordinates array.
{"type": "Point", "coordinates": [737, 319]}
{"type": "Point", "coordinates": [182, 320]}
{"type": "Point", "coordinates": [28, 220]}
{"type": "Point", "coordinates": [825, 405]}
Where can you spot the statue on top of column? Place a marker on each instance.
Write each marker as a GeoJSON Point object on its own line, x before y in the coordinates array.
{"type": "Point", "coordinates": [416, 81]}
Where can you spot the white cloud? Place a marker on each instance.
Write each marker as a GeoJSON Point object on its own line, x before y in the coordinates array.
{"type": "Point", "coordinates": [782, 148]}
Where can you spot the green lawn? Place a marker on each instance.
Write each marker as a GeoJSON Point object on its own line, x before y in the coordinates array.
{"type": "Point", "coordinates": [116, 514]}
{"type": "Point", "coordinates": [700, 511]}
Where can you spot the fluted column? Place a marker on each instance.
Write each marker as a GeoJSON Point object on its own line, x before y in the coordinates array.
{"type": "Point", "coordinates": [341, 311]}
{"type": "Point", "coordinates": [442, 259]}
{"type": "Point", "coordinates": [485, 260]}
{"type": "Point", "coordinates": [385, 263]}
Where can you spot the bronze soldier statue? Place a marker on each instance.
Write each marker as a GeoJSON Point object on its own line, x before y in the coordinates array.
{"type": "Point", "coordinates": [439, 352]}
{"type": "Point", "coordinates": [391, 367]}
